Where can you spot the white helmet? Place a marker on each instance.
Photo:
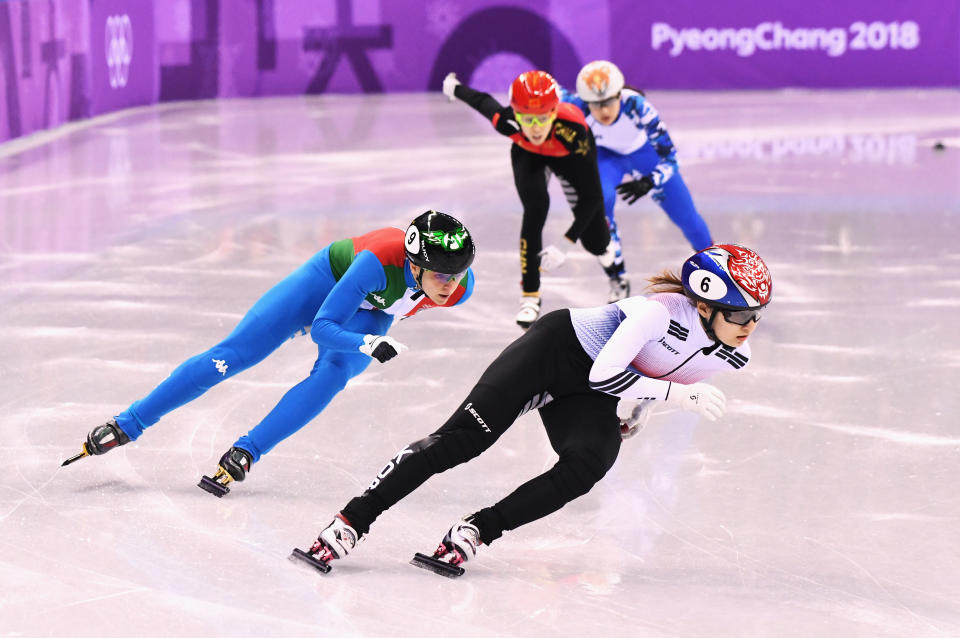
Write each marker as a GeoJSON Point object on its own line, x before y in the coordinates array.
{"type": "Point", "coordinates": [599, 81]}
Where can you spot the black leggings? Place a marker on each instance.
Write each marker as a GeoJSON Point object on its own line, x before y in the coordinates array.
{"type": "Point", "coordinates": [579, 175]}
{"type": "Point", "coordinates": [581, 424]}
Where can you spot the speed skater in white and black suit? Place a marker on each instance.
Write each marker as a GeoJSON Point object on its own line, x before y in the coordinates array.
{"type": "Point", "coordinates": [575, 365]}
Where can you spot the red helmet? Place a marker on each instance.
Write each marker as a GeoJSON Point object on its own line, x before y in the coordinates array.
{"type": "Point", "coordinates": [534, 92]}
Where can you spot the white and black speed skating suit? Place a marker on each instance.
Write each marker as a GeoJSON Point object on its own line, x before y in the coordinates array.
{"type": "Point", "coordinates": [574, 365]}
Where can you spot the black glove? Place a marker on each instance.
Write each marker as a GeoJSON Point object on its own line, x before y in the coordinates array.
{"type": "Point", "coordinates": [634, 190]}
{"type": "Point", "coordinates": [381, 348]}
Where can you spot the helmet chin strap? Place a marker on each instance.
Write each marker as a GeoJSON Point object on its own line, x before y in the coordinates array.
{"type": "Point", "coordinates": [708, 324]}
{"type": "Point", "coordinates": [419, 278]}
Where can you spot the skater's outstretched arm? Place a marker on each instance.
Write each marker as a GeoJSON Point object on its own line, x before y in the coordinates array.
{"type": "Point", "coordinates": [500, 116]}
{"type": "Point", "coordinates": [483, 103]}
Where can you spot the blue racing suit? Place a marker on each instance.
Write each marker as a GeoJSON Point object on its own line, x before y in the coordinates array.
{"type": "Point", "coordinates": [637, 144]}
{"type": "Point", "coordinates": [349, 289]}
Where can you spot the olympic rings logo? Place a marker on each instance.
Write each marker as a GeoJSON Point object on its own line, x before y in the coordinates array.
{"type": "Point", "coordinates": [118, 40]}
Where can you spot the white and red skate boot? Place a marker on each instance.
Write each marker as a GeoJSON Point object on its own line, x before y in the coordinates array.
{"type": "Point", "coordinates": [336, 541]}
{"type": "Point", "coordinates": [457, 547]}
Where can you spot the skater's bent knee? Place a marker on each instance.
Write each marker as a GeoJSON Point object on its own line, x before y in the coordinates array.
{"type": "Point", "coordinates": [576, 473]}
{"type": "Point", "coordinates": [424, 443]}
{"type": "Point", "coordinates": [444, 451]}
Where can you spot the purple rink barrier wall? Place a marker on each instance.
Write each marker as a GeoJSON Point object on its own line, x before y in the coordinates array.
{"type": "Point", "coordinates": [690, 44]}
{"type": "Point", "coordinates": [65, 60]}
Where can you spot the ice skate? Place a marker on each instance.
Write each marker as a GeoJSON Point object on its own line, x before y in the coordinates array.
{"type": "Point", "coordinates": [336, 541]}
{"type": "Point", "coordinates": [234, 465]}
{"type": "Point", "coordinates": [619, 289]}
{"type": "Point", "coordinates": [101, 440]}
{"type": "Point", "coordinates": [457, 547]}
{"type": "Point", "coordinates": [529, 311]}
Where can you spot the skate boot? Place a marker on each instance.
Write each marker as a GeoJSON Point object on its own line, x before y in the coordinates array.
{"type": "Point", "coordinates": [101, 440]}
{"type": "Point", "coordinates": [457, 547]}
{"type": "Point", "coordinates": [336, 541]}
{"type": "Point", "coordinates": [529, 311]}
{"type": "Point", "coordinates": [619, 288]}
{"type": "Point", "coordinates": [234, 465]}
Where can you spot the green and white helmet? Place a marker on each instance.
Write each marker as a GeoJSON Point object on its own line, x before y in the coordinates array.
{"type": "Point", "coordinates": [438, 242]}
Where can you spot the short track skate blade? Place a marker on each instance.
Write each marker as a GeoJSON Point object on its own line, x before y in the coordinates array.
{"type": "Point", "coordinates": [436, 566]}
{"type": "Point", "coordinates": [300, 555]}
{"type": "Point", "coordinates": [74, 459]}
{"type": "Point", "coordinates": [208, 484]}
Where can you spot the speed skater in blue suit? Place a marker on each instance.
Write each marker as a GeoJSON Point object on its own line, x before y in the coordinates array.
{"type": "Point", "coordinates": [632, 142]}
{"type": "Point", "coordinates": [346, 297]}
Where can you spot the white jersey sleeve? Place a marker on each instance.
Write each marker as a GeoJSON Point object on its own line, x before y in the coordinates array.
{"type": "Point", "coordinates": [641, 345]}
{"type": "Point", "coordinates": [643, 321]}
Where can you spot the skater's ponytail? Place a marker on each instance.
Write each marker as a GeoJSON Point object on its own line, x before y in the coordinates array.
{"type": "Point", "coordinates": [666, 281]}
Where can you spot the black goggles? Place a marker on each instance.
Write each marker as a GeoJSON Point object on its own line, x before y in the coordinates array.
{"type": "Point", "coordinates": [741, 317]}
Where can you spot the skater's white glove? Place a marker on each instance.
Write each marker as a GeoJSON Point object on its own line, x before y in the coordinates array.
{"type": "Point", "coordinates": [633, 416]}
{"type": "Point", "coordinates": [551, 258]}
{"type": "Point", "coordinates": [450, 83]}
{"type": "Point", "coordinates": [698, 397]}
{"type": "Point", "coordinates": [381, 348]}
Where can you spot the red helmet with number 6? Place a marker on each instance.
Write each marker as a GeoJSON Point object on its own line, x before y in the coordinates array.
{"type": "Point", "coordinates": [728, 276]}
{"type": "Point", "coordinates": [534, 92]}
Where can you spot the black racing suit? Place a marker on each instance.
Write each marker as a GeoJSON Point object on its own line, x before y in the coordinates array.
{"type": "Point", "coordinates": [581, 423]}
{"type": "Point", "coordinates": [570, 153]}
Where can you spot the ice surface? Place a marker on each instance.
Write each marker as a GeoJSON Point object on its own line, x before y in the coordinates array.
{"type": "Point", "coordinates": [824, 504]}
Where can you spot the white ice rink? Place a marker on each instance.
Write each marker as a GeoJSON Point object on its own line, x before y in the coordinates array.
{"type": "Point", "coordinates": [825, 503]}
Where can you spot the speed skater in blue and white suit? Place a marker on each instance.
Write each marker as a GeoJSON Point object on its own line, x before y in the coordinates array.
{"type": "Point", "coordinates": [632, 141]}
{"type": "Point", "coordinates": [346, 296]}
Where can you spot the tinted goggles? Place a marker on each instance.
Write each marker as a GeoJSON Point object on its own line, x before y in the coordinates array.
{"type": "Point", "coordinates": [445, 278]}
{"type": "Point", "coordinates": [741, 317]}
{"type": "Point", "coordinates": [529, 119]}
{"type": "Point", "coordinates": [610, 101]}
